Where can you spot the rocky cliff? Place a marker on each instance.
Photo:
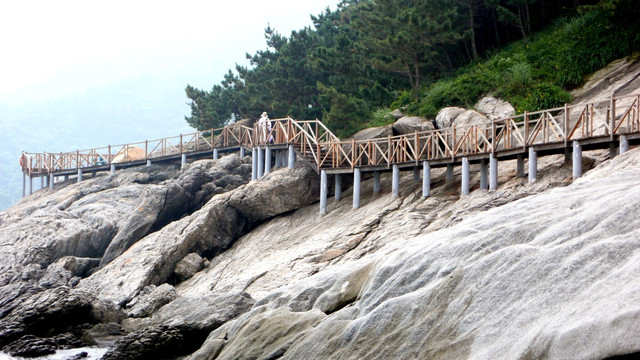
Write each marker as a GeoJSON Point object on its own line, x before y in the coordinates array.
{"type": "Point", "coordinates": [158, 262]}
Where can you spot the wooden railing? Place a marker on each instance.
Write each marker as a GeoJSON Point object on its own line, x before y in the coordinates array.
{"type": "Point", "coordinates": [313, 140]}
{"type": "Point", "coordinates": [44, 163]}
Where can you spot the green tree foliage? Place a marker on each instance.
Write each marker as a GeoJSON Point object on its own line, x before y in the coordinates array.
{"type": "Point", "coordinates": [421, 55]}
{"type": "Point", "coordinates": [409, 35]}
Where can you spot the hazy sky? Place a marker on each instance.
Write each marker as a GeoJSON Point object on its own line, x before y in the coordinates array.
{"type": "Point", "coordinates": [79, 74]}
{"type": "Point", "coordinates": [56, 48]}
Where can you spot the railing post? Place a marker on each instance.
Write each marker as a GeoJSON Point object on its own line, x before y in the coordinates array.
{"type": "Point", "coordinates": [453, 142]}
{"type": "Point", "coordinates": [613, 117]}
{"type": "Point", "coordinates": [77, 159]}
{"type": "Point", "coordinates": [493, 136]}
{"type": "Point", "coordinates": [109, 155]}
{"type": "Point", "coordinates": [416, 148]}
{"type": "Point", "coordinates": [180, 143]}
{"type": "Point", "coordinates": [566, 124]}
{"type": "Point", "coordinates": [146, 149]}
{"type": "Point", "coordinates": [526, 131]}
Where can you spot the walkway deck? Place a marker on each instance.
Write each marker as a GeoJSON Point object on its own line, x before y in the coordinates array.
{"type": "Point", "coordinates": [551, 131]}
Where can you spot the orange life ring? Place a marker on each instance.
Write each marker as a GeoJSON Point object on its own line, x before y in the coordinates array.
{"type": "Point", "coordinates": [22, 162]}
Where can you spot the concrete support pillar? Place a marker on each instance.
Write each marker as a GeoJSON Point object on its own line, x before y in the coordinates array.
{"type": "Point", "coordinates": [416, 175]}
{"type": "Point", "coordinates": [42, 185]}
{"type": "Point", "coordinates": [267, 160]}
{"type": "Point", "coordinates": [52, 180]}
{"type": "Point", "coordinates": [624, 144]}
{"type": "Point", "coordinates": [338, 187]}
{"type": "Point", "coordinates": [66, 177]}
{"type": "Point", "coordinates": [567, 155]}
{"type": "Point", "coordinates": [113, 170]}
{"type": "Point", "coordinates": [24, 184]}
{"type": "Point", "coordinates": [148, 162]}
{"type": "Point", "coordinates": [493, 172]}
{"type": "Point", "coordinates": [520, 166]}
{"type": "Point", "coordinates": [278, 159]}
{"type": "Point", "coordinates": [484, 184]}
{"type": "Point", "coordinates": [292, 157]}
{"type": "Point", "coordinates": [79, 175]}
{"type": "Point", "coordinates": [356, 188]}
{"type": "Point", "coordinates": [30, 185]}
{"type": "Point", "coordinates": [533, 165]}
{"type": "Point", "coordinates": [46, 181]}
{"type": "Point", "coordinates": [376, 182]}
{"type": "Point", "coordinates": [93, 174]}
{"type": "Point", "coordinates": [465, 176]}
{"type": "Point", "coordinates": [577, 160]}
{"type": "Point", "coordinates": [426, 179]}
{"type": "Point", "coordinates": [260, 162]}
{"type": "Point", "coordinates": [449, 175]}
{"type": "Point", "coordinates": [323, 192]}
{"type": "Point", "coordinates": [242, 152]}
{"type": "Point", "coordinates": [395, 181]}
{"type": "Point", "coordinates": [216, 155]}
{"type": "Point", "coordinates": [183, 162]}
{"type": "Point", "coordinates": [613, 150]}
{"type": "Point", "coordinates": [254, 164]}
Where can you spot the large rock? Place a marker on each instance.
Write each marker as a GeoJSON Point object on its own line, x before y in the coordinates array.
{"type": "Point", "coordinates": [150, 300]}
{"type": "Point", "coordinates": [470, 118]}
{"type": "Point", "coordinates": [158, 205]}
{"type": "Point", "coordinates": [447, 115]}
{"type": "Point", "coordinates": [411, 124]}
{"type": "Point", "coordinates": [188, 266]}
{"type": "Point", "coordinates": [180, 327]}
{"type": "Point", "coordinates": [52, 312]}
{"type": "Point", "coordinates": [152, 260]}
{"type": "Point", "coordinates": [373, 133]}
{"type": "Point", "coordinates": [486, 286]}
{"type": "Point", "coordinates": [494, 108]}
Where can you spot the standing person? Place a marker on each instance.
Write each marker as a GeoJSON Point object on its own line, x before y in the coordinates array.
{"type": "Point", "coordinates": [263, 123]}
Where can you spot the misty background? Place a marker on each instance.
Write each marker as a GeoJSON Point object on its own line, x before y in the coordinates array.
{"type": "Point", "coordinates": [78, 75]}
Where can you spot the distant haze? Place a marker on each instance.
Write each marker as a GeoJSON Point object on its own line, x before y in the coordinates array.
{"type": "Point", "coordinates": [79, 74]}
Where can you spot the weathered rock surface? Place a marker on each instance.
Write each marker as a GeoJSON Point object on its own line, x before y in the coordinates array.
{"type": "Point", "coordinates": [152, 260]}
{"type": "Point", "coordinates": [411, 124]}
{"type": "Point", "coordinates": [494, 108]}
{"type": "Point", "coordinates": [525, 271]}
{"type": "Point", "coordinates": [188, 266]}
{"type": "Point", "coordinates": [180, 327]}
{"type": "Point", "coordinates": [373, 133]}
{"type": "Point", "coordinates": [531, 278]}
{"type": "Point", "coordinates": [151, 299]}
{"type": "Point", "coordinates": [447, 115]}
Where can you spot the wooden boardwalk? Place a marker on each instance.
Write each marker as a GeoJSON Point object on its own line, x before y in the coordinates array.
{"type": "Point", "coordinates": [551, 131]}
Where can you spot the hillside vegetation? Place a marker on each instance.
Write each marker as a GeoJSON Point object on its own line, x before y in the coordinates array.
{"type": "Point", "coordinates": [369, 56]}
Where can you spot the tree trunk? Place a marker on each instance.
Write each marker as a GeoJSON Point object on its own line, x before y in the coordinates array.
{"type": "Point", "coordinates": [474, 50]}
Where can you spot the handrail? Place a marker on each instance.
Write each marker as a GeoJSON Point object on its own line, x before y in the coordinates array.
{"type": "Point", "coordinates": [312, 139]}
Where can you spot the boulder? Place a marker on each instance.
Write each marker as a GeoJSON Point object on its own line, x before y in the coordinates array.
{"type": "Point", "coordinates": [373, 133]}
{"type": "Point", "coordinates": [151, 299]}
{"type": "Point", "coordinates": [470, 118]}
{"type": "Point", "coordinates": [189, 265]}
{"type": "Point", "coordinates": [494, 108]}
{"type": "Point", "coordinates": [152, 260]}
{"type": "Point", "coordinates": [411, 124]}
{"type": "Point", "coordinates": [397, 114]}
{"type": "Point", "coordinates": [180, 327]}
{"type": "Point", "coordinates": [447, 115]}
